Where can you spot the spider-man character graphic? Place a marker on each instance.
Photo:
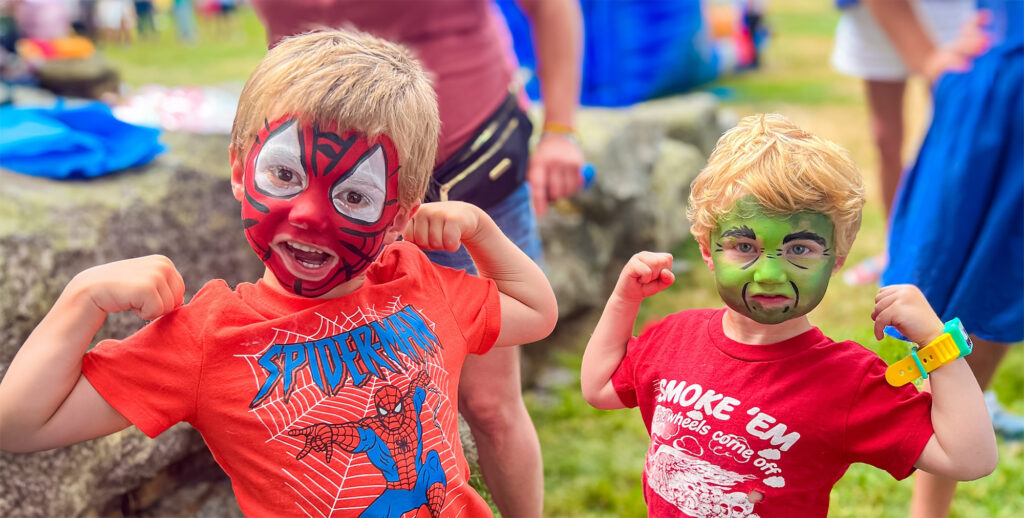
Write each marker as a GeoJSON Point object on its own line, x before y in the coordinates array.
{"type": "Point", "coordinates": [393, 442]}
{"type": "Point", "coordinates": [317, 203]}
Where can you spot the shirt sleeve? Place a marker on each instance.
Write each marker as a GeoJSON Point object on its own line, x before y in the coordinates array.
{"type": "Point", "coordinates": [152, 377]}
{"type": "Point", "coordinates": [475, 305]}
{"type": "Point", "coordinates": [623, 380]}
{"type": "Point", "coordinates": [888, 427]}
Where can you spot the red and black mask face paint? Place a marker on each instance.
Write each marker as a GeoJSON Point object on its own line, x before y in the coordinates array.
{"type": "Point", "coordinates": [318, 203]}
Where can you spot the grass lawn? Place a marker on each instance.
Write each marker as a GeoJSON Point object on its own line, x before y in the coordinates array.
{"type": "Point", "coordinates": [592, 459]}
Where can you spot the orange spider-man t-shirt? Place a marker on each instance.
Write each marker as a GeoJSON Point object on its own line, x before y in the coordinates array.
{"type": "Point", "coordinates": [336, 407]}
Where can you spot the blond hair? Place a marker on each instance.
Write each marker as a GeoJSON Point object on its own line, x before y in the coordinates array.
{"type": "Point", "coordinates": [353, 81]}
{"type": "Point", "coordinates": [786, 169]}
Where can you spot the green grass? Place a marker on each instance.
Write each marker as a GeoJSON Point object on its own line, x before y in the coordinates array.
{"type": "Point", "coordinates": [221, 55]}
{"type": "Point", "coordinates": [593, 459]}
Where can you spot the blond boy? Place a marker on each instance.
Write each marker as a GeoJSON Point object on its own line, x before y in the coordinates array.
{"type": "Point", "coordinates": [328, 386]}
{"type": "Point", "coordinates": [751, 410]}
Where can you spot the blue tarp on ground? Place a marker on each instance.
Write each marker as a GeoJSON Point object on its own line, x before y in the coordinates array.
{"type": "Point", "coordinates": [72, 141]}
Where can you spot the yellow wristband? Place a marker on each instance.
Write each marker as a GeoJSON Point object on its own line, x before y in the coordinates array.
{"type": "Point", "coordinates": [557, 127]}
{"type": "Point", "coordinates": [953, 343]}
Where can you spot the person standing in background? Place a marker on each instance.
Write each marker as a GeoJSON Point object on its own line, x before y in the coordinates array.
{"type": "Point", "coordinates": [483, 158]}
{"type": "Point", "coordinates": [144, 18]}
{"type": "Point", "coordinates": [185, 20]}
{"type": "Point", "coordinates": [863, 50]}
{"type": "Point", "coordinates": [967, 257]}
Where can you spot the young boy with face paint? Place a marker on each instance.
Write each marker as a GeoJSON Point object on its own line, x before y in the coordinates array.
{"type": "Point", "coordinates": [751, 410]}
{"type": "Point", "coordinates": [330, 385]}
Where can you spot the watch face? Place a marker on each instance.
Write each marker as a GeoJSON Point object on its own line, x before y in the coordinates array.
{"type": "Point", "coordinates": [956, 329]}
{"type": "Point", "coordinates": [963, 333]}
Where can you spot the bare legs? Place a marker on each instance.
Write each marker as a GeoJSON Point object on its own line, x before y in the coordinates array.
{"type": "Point", "coordinates": [934, 494]}
{"type": "Point", "coordinates": [885, 104]}
{"type": "Point", "coordinates": [490, 398]}
{"type": "Point", "coordinates": [885, 117]}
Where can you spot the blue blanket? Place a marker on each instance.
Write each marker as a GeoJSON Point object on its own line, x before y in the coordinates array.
{"type": "Point", "coordinates": [72, 141]}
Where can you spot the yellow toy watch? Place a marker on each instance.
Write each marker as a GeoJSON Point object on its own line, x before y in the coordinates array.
{"type": "Point", "coordinates": [953, 343]}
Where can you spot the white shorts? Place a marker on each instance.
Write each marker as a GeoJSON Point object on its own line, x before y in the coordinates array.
{"type": "Point", "coordinates": [862, 48]}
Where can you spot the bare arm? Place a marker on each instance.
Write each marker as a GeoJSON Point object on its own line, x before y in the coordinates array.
{"type": "Point", "coordinates": [917, 49]}
{"type": "Point", "coordinates": [45, 402]}
{"type": "Point", "coordinates": [528, 307]}
{"type": "Point", "coordinates": [645, 274]}
{"type": "Point", "coordinates": [558, 40]}
{"type": "Point", "coordinates": [964, 445]}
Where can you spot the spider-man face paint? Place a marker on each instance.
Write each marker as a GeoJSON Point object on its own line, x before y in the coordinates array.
{"type": "Point", "coordinates": [317, 203]}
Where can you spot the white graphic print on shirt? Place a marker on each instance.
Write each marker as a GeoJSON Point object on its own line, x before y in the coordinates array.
{"type": "Point", "coordinates": [687, 441]}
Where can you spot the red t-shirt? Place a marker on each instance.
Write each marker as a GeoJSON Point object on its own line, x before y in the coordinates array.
{"type": "Point", "coordinates": [785, 420]}
{"type": "Point", "coordinates": [317, 407]}
{"type": "Point", "coordinates": [464, 44]}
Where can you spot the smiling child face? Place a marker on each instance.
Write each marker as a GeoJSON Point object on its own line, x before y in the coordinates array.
{"type": "Point", "coordinates": [317, 205]}
{"type": "Point", "coordinates": [771, 267]}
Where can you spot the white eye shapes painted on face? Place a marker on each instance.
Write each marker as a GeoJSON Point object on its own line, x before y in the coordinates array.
{"type": "Point", "coordinates": [361, 195]}
{"type": "Point", "coordinates": [278, 171]}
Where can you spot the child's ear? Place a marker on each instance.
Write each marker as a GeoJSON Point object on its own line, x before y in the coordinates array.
{"type": "Point", "coordinates": [401, 220]}
{"type": "Point", "coordinates": [706, 255]}
{"type": "Point", "coordinates": [237, 170]}
{"type": "Point", "coordinates": [840, 261]}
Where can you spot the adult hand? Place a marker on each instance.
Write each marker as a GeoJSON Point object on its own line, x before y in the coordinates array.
{"type": "Point", "coordinates": [971, 42]}
{"type": "Point", "coordinates": [554, 170]}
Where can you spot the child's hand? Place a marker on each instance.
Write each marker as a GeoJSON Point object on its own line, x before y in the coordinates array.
{"type": "Point", "coordinates": [148, 286]}
{"type": "Point", "coordinates": [904, 307]}
{"type": "Point", "coordinates": [443, 225]}
{"type": "Point", "coordinates": [645, 274]}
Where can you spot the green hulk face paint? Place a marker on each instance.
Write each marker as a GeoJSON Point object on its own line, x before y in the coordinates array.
{"type": "Point", "coordinates": [771, 267]}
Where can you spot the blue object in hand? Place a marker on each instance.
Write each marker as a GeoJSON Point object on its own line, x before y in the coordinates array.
{"type": "Point", "coordinates": [588, 173]}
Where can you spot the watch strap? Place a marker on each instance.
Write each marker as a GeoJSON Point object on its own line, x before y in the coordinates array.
{"type": "Point", "coordinates": [939, 352]}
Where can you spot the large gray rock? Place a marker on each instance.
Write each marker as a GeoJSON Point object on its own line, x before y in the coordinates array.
{"type": "Point", "coordinates": [181, 206]}
{"type": "Point", "coordinates": [645, 157]}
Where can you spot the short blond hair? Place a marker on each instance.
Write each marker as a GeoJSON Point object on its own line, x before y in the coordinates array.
{"type": "Point", "coordinates": [786, 169]}
{"type": "Point", "coordinates": [353, 81]}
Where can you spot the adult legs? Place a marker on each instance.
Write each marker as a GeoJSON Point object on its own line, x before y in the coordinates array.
{"type": "Point", "coordinates": [490, 392]}
{"type": "Point", "coordinates": [490, 398]}
{"type": "Point", "coordinates": [885, 105]}
{"type": "Point", "coordinates": [885, 114]}
{"type": "Point", "coordinates": [934, 494]}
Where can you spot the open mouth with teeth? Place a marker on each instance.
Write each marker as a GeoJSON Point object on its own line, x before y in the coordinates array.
{"type": "Point", "coordinates": [306, 261]}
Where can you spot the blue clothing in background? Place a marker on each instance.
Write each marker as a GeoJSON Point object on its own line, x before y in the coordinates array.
{"type": "Point", "coordinates": [957, 229]}
{"type": "Point", "coordinates": [72, 141]}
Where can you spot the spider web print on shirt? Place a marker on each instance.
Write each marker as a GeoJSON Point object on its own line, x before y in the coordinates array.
{"type": "Point", "coordinates": [350, 482]}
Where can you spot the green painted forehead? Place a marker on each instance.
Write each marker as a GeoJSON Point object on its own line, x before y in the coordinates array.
{"type": "Point", "coordinates": [747, 216]}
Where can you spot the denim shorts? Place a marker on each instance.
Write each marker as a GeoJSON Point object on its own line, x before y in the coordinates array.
{"type": "Point", "coordinates": [514, 216]}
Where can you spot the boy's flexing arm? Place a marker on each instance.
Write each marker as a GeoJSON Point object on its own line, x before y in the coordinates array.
{"type": "Point", "coordinates": [964, 445]}
{"type": "Point", "coordinates": [645, 274]}
{"type": "Point", "coordinates": [528, 307]}
{"type": "Point", "coordinates": [45, 402]}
